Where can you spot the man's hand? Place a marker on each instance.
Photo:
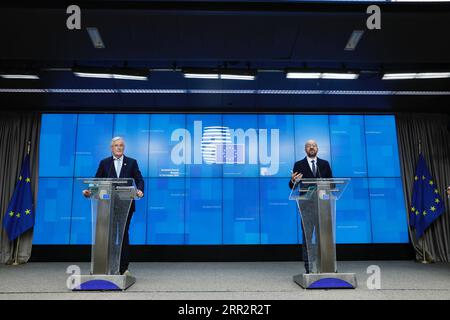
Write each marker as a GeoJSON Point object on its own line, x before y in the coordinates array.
{"type": "Point", "coordinates": [86, 193]}
{"type": "Point", "coordinates": [296, 176]}
{"type": "Point", "coordinates": [139, 193]}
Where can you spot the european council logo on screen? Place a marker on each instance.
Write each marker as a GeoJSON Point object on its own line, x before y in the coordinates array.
{"type": "Point", "coordinates": [224, 145]}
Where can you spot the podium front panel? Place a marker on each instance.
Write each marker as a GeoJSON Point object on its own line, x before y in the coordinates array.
{"type": "Point", "coordinates": [110, 205]}
{"type": "Point", "coordinates": [316, 202]}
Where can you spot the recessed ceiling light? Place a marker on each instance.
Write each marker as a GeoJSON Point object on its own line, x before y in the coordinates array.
{"type": "Point", "coordinates": [416, 75]}
{"type": "Point", "coordinates": [114, 73]}
{"type": "Point", "coordinates": [20, 76]}
{"type": "Point", "coordinates": [237, 77]}
{"type": "Point", "coordinates": [354, 40]}
{"type": "Point", "coordinates": [93, 75]}
{"type": "Point", "coordinates": [128, 77]}
{"type": "Point", "coordinates": [303, 75]}
{"type": "Point", "coordinates": [225, 74]}
{"type": "Point", "coordinates": [201, 75]}
{"type": "Point", "coordinates": [322, 75]}
{"type": "Point", "coordinates": [96, 39]}
{"type": "Point", "coordinates": [340, 76]}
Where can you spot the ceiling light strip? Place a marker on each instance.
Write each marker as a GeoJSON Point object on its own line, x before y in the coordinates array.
{"type": "Point", "coordinates": [416, 75]}
{"type": "Point", "coordinates": [322, 75]}
{"type": "Point", "coordinates": [20, 76]}
{"type": "Point", "coordinates": [219, 91]}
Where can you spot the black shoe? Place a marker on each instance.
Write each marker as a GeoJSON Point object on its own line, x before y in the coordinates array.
{"type": "Point", "coordinates": [307, 268]}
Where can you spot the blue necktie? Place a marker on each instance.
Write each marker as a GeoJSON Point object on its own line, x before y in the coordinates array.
{"type": "Point", "coordinates": [313, 167]}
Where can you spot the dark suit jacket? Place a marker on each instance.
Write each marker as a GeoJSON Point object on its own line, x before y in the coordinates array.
{"type": "Point", "coordinates": [130, 169]}
{"type": "Point", "coordinates": [302, 166]}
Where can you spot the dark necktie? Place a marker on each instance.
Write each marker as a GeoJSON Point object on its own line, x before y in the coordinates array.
{"type": "Point", "coordinates": [313, 167]}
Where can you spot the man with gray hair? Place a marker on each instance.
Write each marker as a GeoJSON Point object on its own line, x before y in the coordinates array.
{"type": "Point", "coordinates": [120, 166]}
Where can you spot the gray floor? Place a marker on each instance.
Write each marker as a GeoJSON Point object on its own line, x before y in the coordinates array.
{"type": "Point", "coordinates": [230, 280]}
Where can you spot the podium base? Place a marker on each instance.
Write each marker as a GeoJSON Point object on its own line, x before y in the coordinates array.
{"type": "Point", "coordinates": [102, 282]}
{"type": "Point", "coordinates": [326, 280]}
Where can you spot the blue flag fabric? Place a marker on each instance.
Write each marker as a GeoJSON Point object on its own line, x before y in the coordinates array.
{"type": "Point", "coordinates": [426, 204]}
{"type": "Point", "coordinates": [20, 216]}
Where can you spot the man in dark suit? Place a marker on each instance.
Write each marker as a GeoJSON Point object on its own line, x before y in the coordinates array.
{"type": "Point", "coordinates": [309, 167]}
{"type": "Point", "coordinates": [120, 166]}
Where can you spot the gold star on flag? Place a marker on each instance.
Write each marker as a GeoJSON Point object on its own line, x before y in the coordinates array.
{"type": "Point", "coordinates": [424, 212]}
{"type": "Point", "coordinates": [20, 178]}
{"type": "Point", "coordinates": [416, 178]}
{"type": "Point", "coordinates": [436, 191]}
{"type": "Point", "coordinates": [433, 209]}
{"type": "Point", "coordinates": [431, 182]}
{"type": "Point", "coordinates": [27, 180]}
{"type": "Point", "coordinates": [11, 213]}
{"type": "Point", "coordinates": [437, 200]}
{"type": "Point", "coordinates": [18, 215]}
{"type": "Point", "coordinates": [27, 211]}
{"type": "Point", "coordinates": [413, 209]}
{"type": "Point", "coordinates": [423, 178]}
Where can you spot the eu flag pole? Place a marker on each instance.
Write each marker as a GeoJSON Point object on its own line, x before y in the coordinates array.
{"type": "Point", "coordinates": [426, 204]}
{"type": "Point", "coordinates": [20, 216]}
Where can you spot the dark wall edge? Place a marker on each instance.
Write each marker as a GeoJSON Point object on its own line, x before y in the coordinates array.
{"type": "Point", "coordinates": [224, 253]}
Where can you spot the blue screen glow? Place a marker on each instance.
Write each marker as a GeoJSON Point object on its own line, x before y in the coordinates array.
{"type": "Point", "coordinates": [221, 178]}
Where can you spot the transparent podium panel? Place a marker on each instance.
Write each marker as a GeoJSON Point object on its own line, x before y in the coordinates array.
{"type": "Point", "coordinates": [316, 203]}
{"type": "Point", "coordinates": [110, 204]}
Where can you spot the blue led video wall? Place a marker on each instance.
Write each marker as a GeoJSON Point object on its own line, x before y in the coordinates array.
{"type": "Point", "coordinates": [221, 178]}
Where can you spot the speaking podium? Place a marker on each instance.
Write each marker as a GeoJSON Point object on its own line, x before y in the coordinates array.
{"type": "Point", "coordinates": [316, 202]}
{"type": "Point", "coordinates": [111, 199]}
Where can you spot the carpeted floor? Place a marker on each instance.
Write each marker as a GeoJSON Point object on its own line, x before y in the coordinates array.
{"type": "Point", "coordinates": [230, 280]}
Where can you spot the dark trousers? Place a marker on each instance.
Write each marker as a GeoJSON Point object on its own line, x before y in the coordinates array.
{"type": "Point", "coordinates": [125, 253]}
{"type": "Point", "coordinates": [308, 267]}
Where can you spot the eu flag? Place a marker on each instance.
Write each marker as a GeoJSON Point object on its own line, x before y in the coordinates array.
{"type": "Point", "coordinates": [426, 204]}
{"type": "Point", "coordinates": [19, 216]}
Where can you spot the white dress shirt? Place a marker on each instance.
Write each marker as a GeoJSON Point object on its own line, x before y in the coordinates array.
{"type": "Point", "coordinates": [310, 163]}
{"type": "Point", "coordinates": [118, 163]}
